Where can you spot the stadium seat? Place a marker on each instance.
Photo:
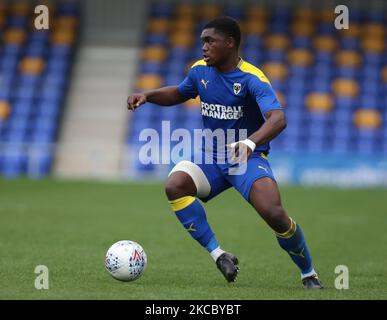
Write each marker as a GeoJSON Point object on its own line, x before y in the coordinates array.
{"type": "Point", "coordinates": [5, 110]}
{"type": "Point", "coordinates": [367, 119]}
{"type": "Point", "coordinates": [345, 87]}
{"type": "Point", "coordinates": [149, 81]}
{"type": "Point", "coordinates": [319, 102]}
{"type": "Point", "coordinates": [14, 36]}
{"type": "Point", "coordinates": [300, 57]}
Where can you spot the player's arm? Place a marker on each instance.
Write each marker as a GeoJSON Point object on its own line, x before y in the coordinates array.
{"type": "Point", "coordinates": [166, 96]}
{"type": "Point", "coordinates": [275, 123]}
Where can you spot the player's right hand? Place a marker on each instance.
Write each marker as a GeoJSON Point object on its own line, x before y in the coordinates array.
{"type": "Point", "coordinates": [135, 100]}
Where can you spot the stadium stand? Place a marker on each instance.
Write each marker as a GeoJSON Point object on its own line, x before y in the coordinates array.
{"type": "Point", "coordinates": [328, 80]}
{"type": "Point", "coordinates": [34, 72]}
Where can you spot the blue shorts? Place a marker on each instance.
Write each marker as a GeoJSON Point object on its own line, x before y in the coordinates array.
{"type": "Point", "coordinates": [223, 176]}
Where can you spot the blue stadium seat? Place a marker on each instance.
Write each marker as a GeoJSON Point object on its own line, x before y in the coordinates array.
{"type": "Point", "coordinates": [235, 11]}
{"type": "Point", "coordinates": [346, 72]}
{"type": "Point", "coordinates": [301, 42]}
{"type": "Point", "coordinates": [17, 22]}
{"type": "Point", "coordinates": [161, 10]}
{"type": "Point", "coordinates": [323, 57]}
{"type": "Point", "coordinates": [57, 51]}
{"type": "Point", "coordinates": [22, 108]}
{"type": "Point", "coordinates": [326, 28]}
{"type": "Point", "coordinates": [348, 43]}
{"type": "Point", "coordinates": [40, 160]}
{"type": "Point", "coordinates": [152, 67]}
{"type": "Point", "coordinates": [12, 51]}
{"type": "Point", "coordinates": [36, 50]}
{"type": "Point", "coordinates": [14, 162]}
{"type": "Point", "coordinates": [372, 60]}
{"type": "Point", "coordinates": [156, 39]}
{"type": "Point", "coordinates": [68, 8]}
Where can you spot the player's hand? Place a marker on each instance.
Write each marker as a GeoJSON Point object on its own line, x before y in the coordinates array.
{"type": "Point", "coordinates": [240, 151]}
{"type": "Point", "coordinates": [135, 100]}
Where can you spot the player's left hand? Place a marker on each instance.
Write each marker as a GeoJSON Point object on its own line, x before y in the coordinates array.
{"type": "Point", "coordinates": [240, 151]}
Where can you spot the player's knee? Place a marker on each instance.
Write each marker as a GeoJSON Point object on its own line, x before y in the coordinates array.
{"type": "Point", "coordinates": [178, 186]}
{"type": "Point", "coordinates": [277, 218]}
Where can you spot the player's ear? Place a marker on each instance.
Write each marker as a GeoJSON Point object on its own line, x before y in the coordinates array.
{"type": "Point", "coordinates": [230, 41]}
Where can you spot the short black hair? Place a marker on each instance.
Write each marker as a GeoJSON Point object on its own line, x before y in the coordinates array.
{"type": "Point", "coordinates": [227, 26]}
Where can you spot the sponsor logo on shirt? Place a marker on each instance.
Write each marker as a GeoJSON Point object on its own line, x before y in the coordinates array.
{"type": "Point", "coordinates": [219, 111]}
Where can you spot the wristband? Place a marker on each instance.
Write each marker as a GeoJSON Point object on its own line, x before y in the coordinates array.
{"type": "Point", "coordinates": [249, 143]}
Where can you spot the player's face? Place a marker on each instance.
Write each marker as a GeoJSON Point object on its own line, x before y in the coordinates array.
{"type": "Point", "coordinates": [216, 47]}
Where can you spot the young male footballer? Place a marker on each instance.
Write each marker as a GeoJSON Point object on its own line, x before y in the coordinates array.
{"type": "Point", "coordinates": [234, 95]}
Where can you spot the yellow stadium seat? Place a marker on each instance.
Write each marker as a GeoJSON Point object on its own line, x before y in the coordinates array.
{"type": "Point", "coordinates": [353, 30]}
{"type": "Point", "coordinates": [193, 103]}
{"type": "Point", "coordinates": [2, 20]}
{"type": "Point", "coordinates": [373, 30]}
{"type": "Point", "coordinates": [186, 25]}
{"type": "Point", "coordinates": [154, 53]}
{"type": "Point", "coordinates": [21, 8]}
{"type": "Point", "coordinates": [159, 25]}
{"type": "Point", "coordinates": [149, 82]}
{"type": "Point", "coordinates": [373, 45]}
{"type": "Point", "coordinates": [325, 43]}
{"type": "Point", "coordinates": [64, 37]}
{"type": "Point", "coordinates": [208, 11]}
{"type": "Point", "coordinates": [15, 36]}
{"type": "Point", "coordinates": [345, 87]}
{"type": "Point", "coordinates": [326, 15]}
{"type": "Point", "coordinates": [5, 110]}
{"type": "Point", "coordinates": [384, 74]}
{"type": "Point", "coordinates": [304, 14]}
{"type": "Point", "coordinates": [257, 27]}
{"type": "Point", "coordinates": [181, 39]}
{"type": "Point", "coordinates": [367, 119]}
{"type": "Point", "coordinates": [301, 57]}
{"type": "Point", "coordinates": [275, 70]}
{"type": "Point", "coordinates": [319, 102]}
{"type": "Point", "coordinates": [256, 13]}
{"type": "Point", "coordinates": [302, 28]}
{"type": "Point", "coordinates": [277, 42]}
{"type": "Point", "coordinates": [32, 65]}
{"type": "Point", "coordinates": [185, 11]}
{"type": "Point", "coordinates": [66, 23]}
{"type": "Point", "coordinates": [348, 58]}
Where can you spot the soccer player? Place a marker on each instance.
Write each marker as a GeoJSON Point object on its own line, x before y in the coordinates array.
{"type": "Point", "coordinates": [234, 95]}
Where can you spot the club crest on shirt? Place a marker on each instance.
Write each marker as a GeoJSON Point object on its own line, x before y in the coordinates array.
{"type": "Point", "coordinates": [237, 87]}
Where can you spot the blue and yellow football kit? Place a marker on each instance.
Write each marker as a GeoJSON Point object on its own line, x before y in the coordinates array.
{"type": "Point", "coordinates": [233, 100]}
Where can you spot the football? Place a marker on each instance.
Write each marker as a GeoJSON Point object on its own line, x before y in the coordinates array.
{"type": "Point", "coordinates": [126, 260]}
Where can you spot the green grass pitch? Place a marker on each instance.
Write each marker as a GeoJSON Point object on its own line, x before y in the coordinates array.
{"type": "Point", "coordinates": [69, 225]}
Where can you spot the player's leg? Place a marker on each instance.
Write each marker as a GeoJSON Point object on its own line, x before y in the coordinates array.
{"type": "Point", "coordinates": [185, 182]}
{"type": "Point", "coordinates": [181, 192]}
{"type": "Point", "coordinates": [265, 198]}
{"type": "Point", "coordinates": [258, 187]}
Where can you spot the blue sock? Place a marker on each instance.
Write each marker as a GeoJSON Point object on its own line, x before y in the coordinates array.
{"type": "Point", "coordinates": [191, 214]}
{"type": "Point", "coordinates": [293, 242]}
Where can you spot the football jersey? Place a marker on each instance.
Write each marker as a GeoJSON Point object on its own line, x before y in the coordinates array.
{"type": "Point", "coordinates": [238, 99]}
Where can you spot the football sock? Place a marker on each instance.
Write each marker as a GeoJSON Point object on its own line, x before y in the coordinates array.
{"type": "Point", "coordinates": [293, 242]}
{"type": "Point", "coordinates": [216, 253]}
{"type": "Point", "coordinates": [192, 216]}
